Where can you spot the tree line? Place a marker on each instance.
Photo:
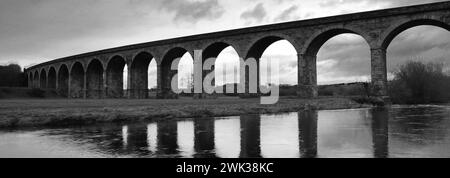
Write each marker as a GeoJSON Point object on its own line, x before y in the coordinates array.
{"type": "Point", "coordinates": [12, 76]}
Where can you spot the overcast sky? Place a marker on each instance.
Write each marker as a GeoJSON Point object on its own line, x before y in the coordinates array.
{"type": "Point", "coordinates": [35, 31]}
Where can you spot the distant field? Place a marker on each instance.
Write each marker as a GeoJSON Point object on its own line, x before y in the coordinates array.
{"type": "Point", "coordinates": [55, 112]}
{"type": "Point", "coordinates": [25, 93]}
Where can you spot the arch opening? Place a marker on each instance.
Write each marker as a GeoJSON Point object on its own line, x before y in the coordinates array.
{"type": "Point", "coordinates": [220, 57]}
{"type": "Point", "coordinates": [30, 80]}
{"type": "Point", "coordinates": [167, 74]}
{"type": "Point", "coordinates": [43, 79]}
{"type": "Point", "coordinates": [276, 57]}
{"type": "Point", "coordinates": [186, 75]}
{"type": "Point", "coordinates": [94, 79]}
{"type": "Point", "coordinates": [227, 71]}
{"type": "Point", "coordinates": [63, 81]}
{"type": "Point", "coordinates": [77, 81]}
{"type": "Point", "coordinates": [115, 77]}
{"type": "Point", "coordinates": [153, 79]}
{"type": "Point", "coordinates": [52, 78]}
{"type": "Point", "coordinates": [344, 66]}
{"type": "Point", "coordinates": [330, 67]}
{"type": "Point", "coordinates": [282, 55]}
{"type": "Point", "coordinates": [138, 88]}
{"type": "Point", "coordinates": [36, 79]}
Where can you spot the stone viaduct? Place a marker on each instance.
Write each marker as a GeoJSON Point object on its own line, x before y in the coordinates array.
{"type": "Point", "coordinates": [99, 74]}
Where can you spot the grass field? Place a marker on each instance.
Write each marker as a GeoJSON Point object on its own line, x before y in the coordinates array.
{"type": "Point", "coordinates": [62, 112]}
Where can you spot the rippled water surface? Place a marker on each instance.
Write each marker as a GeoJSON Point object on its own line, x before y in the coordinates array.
{"type": "Point", "coordinates": [420, 131]}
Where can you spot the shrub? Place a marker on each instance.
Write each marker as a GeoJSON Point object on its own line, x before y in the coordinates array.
{"type": "Point", "coordinates": [287, 90]}
{"type": "Point", "coordinates": [12, 76]}
{"type": "Point", "coordinates": [369, 100]}
{"type": "Point", "coordinates": [345, 89]}
{"type": "Point", "coordinates": [420, 83]}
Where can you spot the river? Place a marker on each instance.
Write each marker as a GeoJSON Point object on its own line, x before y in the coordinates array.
{"type": "Point", "coordinates": [400, 131]}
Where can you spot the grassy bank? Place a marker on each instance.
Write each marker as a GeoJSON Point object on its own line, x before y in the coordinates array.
{"type": "Point", "coordinates": [59, 112]}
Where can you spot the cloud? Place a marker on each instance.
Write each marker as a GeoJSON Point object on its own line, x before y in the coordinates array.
{"type": "Point", "coordinates": [288, 14]}
{"type": "Point", "coordinates": [283, 1]}
{"type": "Point", "coordinates": [33, 31]}
{"type": "Point", "coordinates": [193, 11]}
{"type": "Point", "coordinates": [391, 3]}
{"type": "Point", "coordinates": [257, 14]}
{"type": "Point", "coordinates": [424, 43]}
{"type": "Point", "coordinates": [333, 3]}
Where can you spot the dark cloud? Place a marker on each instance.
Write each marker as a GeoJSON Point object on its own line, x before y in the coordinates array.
{"type": "Point", "coordinates": [333, 3]}
{"type": "Point", "coordinates": [32, 29]}
{"type": "Point", "coordinates": [193, 11]}
{"type": "Point", "coordinates": [288, 14]}
{"type": "Point", "coordinates": [349, 54]}
{"type": "Point", "coordinates": [257, 14]}
{"type": "Point", "coordinates": [424, 43]}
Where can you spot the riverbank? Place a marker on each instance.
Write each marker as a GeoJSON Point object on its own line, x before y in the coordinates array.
{"type": "Point", "coordinates": [61, 112]}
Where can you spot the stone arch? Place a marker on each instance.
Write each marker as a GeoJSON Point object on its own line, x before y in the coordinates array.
{"type": "Point", "coordinates": [212, 51]}
{"type": "Point", "coordinates": [36, 79]}
{"type": "Point", "coordinates": [51, 83]}
{"type": "Point", "coordinates": [379, 52]}
{"type": "Point", "coordinates": [307, 75]}
{"type": "Point", "coordinates": [63, 80]}
{"type": "Point", "coordinates": [224, 42]}
{"type": "Point", "coordinates": [167, 73]}
{"type": "Point", "coordinates": [77, 82]}
{"type": "Point", "coordinates": [111, 57]}
{"type": "Point", "coordinates": [30, 80]}
{"type": "Point", "coordinates": [400, 27]}
{"type": "Point", "coordinates": [43, 79]}
{"type": "Point", "coordinates": [139, 75]}
{"type": "Point", "coordinates": [256, 51]}
{"type": "Point", "coordinates": [135, 55]}
{"type": "Point", "coordinates": [172, 50]}
{"type": "Point", "coordinates": [78, 63]}
{"type": "Point", "coordinates": [114, 76]}
{"type": "Point", "coordinates": [313, 44]}
{"type": "Point", "coordinates": [258, 47]}
{"type": "Point", "coordinates": [94, 79]}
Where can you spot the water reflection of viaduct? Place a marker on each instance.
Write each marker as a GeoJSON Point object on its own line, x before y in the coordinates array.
{"type": "Point", "coordinates": [100, 74]}
{"type": "Point", "coordinates": [136, 140]}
